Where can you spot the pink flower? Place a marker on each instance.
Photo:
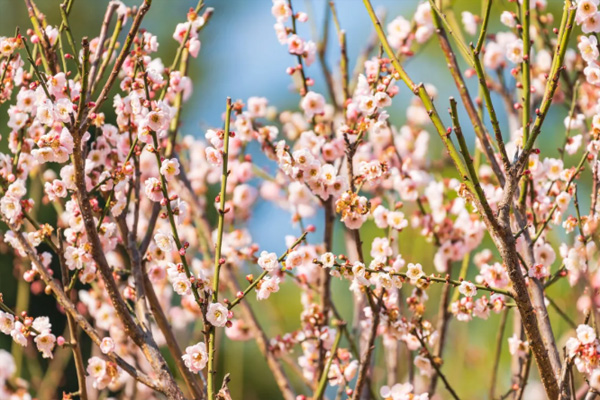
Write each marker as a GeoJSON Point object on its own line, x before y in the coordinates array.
{"type": "Point", "coordinates": [469, 22]}
{"type": "Point", "coordinates": [588, 46]}
{"type": "Point", "coordinates": [170, 168]}
{"type": "Point", "coordinates": [194, 47]}
{"type": "Point", "coordinates": [585, 10]}
{"type": "Point", "coordinates": [195, 357]}
{"type": "Point", "coordinates": [153, 189]}
{"type": "Point", "coordinates": [267, 286]}
{"type": "Point", "coordinates": [214, 156]}
{"type": "Point", "coordinates": [293, 260]}
{"type": "Point", "coordinates": [280, 10]}
{"type": "Point", "coordinates": [257, 107]}
{"type": "Point", "coordinates": [244, 195]}
{"type": "Point", "coordinates": [107, 345]}
{"type": "Point", "coordinates": [98, 370]}
{"type": "Point", "coordinates": [467, 289]}
{"type": "Point", "coordinates": [514, 51]}
{"type": "Point", "coordinates": [517, 347]}
{"type": "Point", "coordinates": [165, 241]}
{"type": "Point", "coordinates": [54, 147]}
{"type": "Point", "coordinates": [295, 45]}
{"type": "Point", "coordinates": [7, 322]}
{"type": "Point", "coordinates": [313, 104]}
{"type": "Point", "coordinates": [45, 342]}
{"type": "Point", "coordinates": [182, 285]}
{"type": "Point", "coordinates": [268, 261]}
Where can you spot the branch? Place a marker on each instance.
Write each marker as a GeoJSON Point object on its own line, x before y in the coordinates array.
{"type": "Point", "coordinates": [70, 308]}
{"type": "Point", "coordinates": [211, 388]}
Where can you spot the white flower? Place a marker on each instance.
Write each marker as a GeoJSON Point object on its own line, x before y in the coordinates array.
{"type": "Point", "coordinates": [213, 156]}
{"type": "Point", "coordinates": [268, 261]}
{"type": "Point", "coordinates": [396, 220]}
{"type": "Point", "coordinates": [170, 168]}
{"type": "Point", "coordinates": [294, 259]}
{"type": "Point", "coordinates": [267, 286]}
{"type": "Point", "coordinates": [7, 322]}
{"type": "Point", "coordinates": [517, 347]}
{"type": "Point", "coordinates": [313, 104]}
{"type": "Point", "coordinates": [17, 334]}
{"type": "Point", "coordinates": [45, 343]}
{"type": "Point", "coordinates": [385, 280]}
{"type": "Point", "coordinates": [514, 51]}
{"type": "Point", "coordinates": [467, 288]}
{"type": "Point", "coordinates": [164, 241]}
{"type": "Point", "coordinates": [182, 285]}
{"type": "Point", "coordinates": [257, 107]}
{"type": "Point", "coordinates": [508, 19]}
{"type": "Point", "coordinates": [588, 46]}
{"type": "Point", "coordinates": [592, 74]}
{"type": "Point", "coordinates": [217, 314]}
{"type": "Point", "coordinates": [544, 254]}
{"type": "Point", "coordinates": [41, 324]}
{"type": "Point", "coordinates": [398, 391]}
{"type": "Point", "coordinates": [328, 260]}
{"type": "Point", "coordinates": [10, 208]}
{"type": "Point", "coordinates": [107, 345]}
{"type": "Point", "coordinates": [586, 334]}
{"type": "Point", "coordinates": [397, 31]}
{"type": "Point", "coordinates": [98, 371]}
{"type": "Point", "coordinates": [585, 10]}
{"type": "Point", "coordinates": [469, 21]}
{"type": "Point", "coordinates": [195, 357]}
{"type": "Point", "coordinates": [415, 271]}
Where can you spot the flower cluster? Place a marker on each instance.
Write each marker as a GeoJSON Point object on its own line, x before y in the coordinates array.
{"type": "Point", "coordinates": [143, 232]}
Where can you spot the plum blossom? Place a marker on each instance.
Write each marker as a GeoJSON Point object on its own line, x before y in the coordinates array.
{"type": "Point", "coordinates": [195, 357]}
{"type": "Point", "coordinates": [217, 314]}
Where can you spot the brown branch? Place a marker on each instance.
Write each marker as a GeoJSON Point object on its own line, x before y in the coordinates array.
{"type": "Point", "coordinates": [110, 10]}
{"type": "Point", "coordinates": [467, 101]}
{"type": "Point", "coordinates": [72, 326]}
{"type": "Point", "coordinates": [140, 338]}
{"type": "Point", "coordinates": [443, 318]}
{"type": "Point", "coordinates": [158, 313]}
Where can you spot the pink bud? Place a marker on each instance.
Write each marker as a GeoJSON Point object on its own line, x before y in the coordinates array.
{"type": "Point", "coordinates": [302, 17]}
{"type": "Point", "coordinates": [239, 294]}
{"type": "Point", "coordinates": [29, 276]}
{"type": "Point", "coordinates": [60, 341]}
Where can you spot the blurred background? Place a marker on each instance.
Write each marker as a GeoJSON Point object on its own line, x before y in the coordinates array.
{"type": "Point", "coordinates": [241, 57]}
